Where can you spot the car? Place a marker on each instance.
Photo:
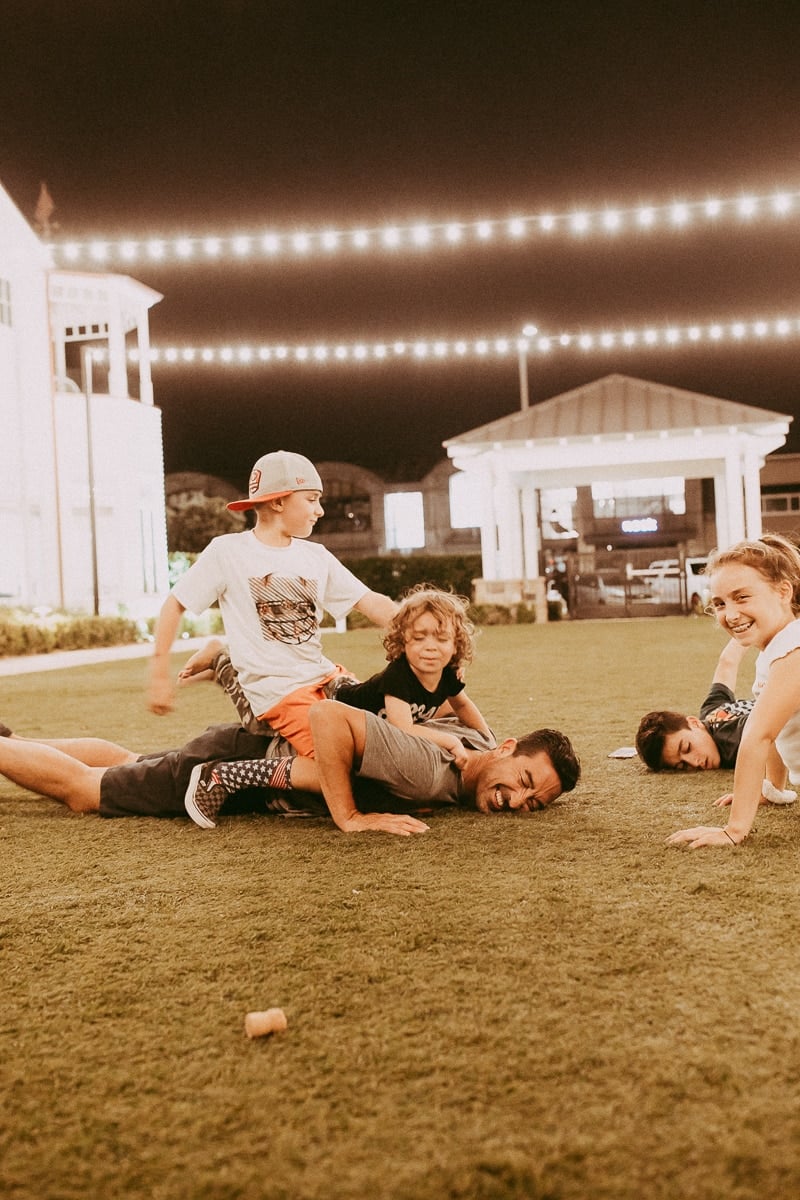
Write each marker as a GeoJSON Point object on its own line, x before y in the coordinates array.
{"type": "Point", "coordinates": [608, 586]}
{"type": "Point", "coordinates": [667, 581]}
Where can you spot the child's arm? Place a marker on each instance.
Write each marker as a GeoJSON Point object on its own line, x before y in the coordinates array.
{"type": "Point", "coordinates": [779, 700]}
{"type": "Point", "coordinates": [161, 694]}
{"type": "Point", "coordinates": [398, 713]}
{"type": "Point", "coordinates": [728, 663]}
{"type": "Point", "coordinates": [377, 608]}
{"type": "Point", "coordinates": [468, 713]}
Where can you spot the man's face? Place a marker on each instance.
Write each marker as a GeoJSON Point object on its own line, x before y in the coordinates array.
{"type": "Point", "coordinates": [691, 749]}
{"type": "Point", "coordinates": [508, 782]}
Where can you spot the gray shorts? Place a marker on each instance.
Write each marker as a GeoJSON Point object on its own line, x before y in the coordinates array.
{"type": "Point", "coordinates": [155, 785]}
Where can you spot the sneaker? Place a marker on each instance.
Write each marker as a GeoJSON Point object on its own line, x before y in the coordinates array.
{"type": "Point", "coordinates": [205, 795]}
{"type": "Point", "coordinates": [4, 730]}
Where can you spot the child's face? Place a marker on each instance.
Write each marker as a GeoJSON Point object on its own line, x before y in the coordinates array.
{"type": "Point", "coordinates": [749, 607]}
{"type": "Point", "coordinates": [429, 646]}
{"type": "Point", "coordinates": [299, 513]}
{"type": "Point", "coordinates": [692, 749]}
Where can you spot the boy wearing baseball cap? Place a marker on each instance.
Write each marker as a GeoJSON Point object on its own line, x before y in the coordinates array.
{"type": "Point", "coordinates": [272, 587]}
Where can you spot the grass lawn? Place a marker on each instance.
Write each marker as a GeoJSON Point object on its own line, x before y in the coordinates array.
{"type": "Point", "coordinates": [552, 1006]}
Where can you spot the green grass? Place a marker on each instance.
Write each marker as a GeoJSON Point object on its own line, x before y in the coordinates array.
{"type": "Point", "coordinates": [547, 1006]}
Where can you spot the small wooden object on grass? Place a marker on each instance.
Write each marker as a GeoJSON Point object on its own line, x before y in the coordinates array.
{"type": "Point", "coordinates": [258, 1024]}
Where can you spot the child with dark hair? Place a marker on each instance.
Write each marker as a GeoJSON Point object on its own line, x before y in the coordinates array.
{"type": "Point", "coordinates": [674, 741]}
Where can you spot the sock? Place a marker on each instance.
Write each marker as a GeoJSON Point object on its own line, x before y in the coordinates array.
{"type": "Point", "coordinates": [256, 772]}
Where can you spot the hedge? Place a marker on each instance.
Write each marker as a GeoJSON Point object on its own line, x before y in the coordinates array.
{"type": "Point", "coordinates": [393, 576]}
{"type": "Point", "coordinates": [24, 633]}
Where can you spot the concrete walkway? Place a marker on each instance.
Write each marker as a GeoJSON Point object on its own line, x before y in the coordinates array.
{"type": "Point", "coordinates": [59, 660]}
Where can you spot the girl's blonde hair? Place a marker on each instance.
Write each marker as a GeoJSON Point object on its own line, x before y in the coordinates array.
{"type": "Point", "coordinates": [773, 556]}
{"type": "Point", "coordinates": [447, 609]}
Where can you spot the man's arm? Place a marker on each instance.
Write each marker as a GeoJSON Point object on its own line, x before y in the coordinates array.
{"type": "Point", "coordinates": [339, 736]}
{"type": "Point", "coordinates": [377, 608]}
{"type": "Point", "coordinates": [161, 693]}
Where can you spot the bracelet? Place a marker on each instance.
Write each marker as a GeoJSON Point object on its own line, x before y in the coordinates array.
{"type": "Point", "coordinates": [728, 836]}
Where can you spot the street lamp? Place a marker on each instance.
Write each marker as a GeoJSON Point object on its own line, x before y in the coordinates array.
{"type": "Point", "coordinates": [528, 331]}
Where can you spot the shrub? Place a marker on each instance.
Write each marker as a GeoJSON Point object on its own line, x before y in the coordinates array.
{"type": "Point", "coordinates": [33, 633]}
{"type": "Point", "coordinates": [394, 574]}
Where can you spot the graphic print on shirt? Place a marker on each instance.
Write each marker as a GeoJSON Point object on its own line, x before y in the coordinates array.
{"type": "Point", "coordinates": [419, 712]}
{"type": "Point", "coordinates": [739, 708]}
{"type": "Point", "coordinates": [286, 607]}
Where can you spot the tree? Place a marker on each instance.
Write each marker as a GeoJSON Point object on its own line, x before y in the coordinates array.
{"type": "Point", "coordinates": [191, 527]}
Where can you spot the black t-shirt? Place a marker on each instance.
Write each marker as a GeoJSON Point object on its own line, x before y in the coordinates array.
{"type": "Point", "coordinates": [724, 717]}
{"type": "Point", "coordinates": [399, 680]}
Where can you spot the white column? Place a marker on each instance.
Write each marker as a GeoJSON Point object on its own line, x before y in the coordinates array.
{"type": "Point", "coordinates": [117, 366]}
{"type": "Point", "coordinates": [481, 479]}
{"type": "Point", "coordinates": [509, 529]}
{"type": "Point", "coordinates": [531, 531]}
{"type": "Point", "coordinates": [735, 495]}
{"type": "Point", "coordinates": [752, 493]}
{"type": "Point", "coordinates": [721, 511]}
{"type": "Point", "coordinates": [145, 375]}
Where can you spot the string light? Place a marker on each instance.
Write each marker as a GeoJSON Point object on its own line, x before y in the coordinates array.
{"type": "Point", "coordinates": [420, 236]}
{"type": "Point", "coordinates": [497, 346]}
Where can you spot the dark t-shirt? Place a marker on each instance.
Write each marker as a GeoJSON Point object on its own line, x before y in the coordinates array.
{"type": "Point", "coordinates": [399, 680]}
{"type": "Point", "coordinates": [724, 717]}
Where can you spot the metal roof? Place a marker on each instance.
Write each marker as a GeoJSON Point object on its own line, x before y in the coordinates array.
{"type": "Point", "coordinates": [619, 405]}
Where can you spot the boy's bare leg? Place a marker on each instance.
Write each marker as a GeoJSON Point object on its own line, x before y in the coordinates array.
{"type": "Point", "coordinates": [94, 752]}
{"type": "Point", "coordinates": [201, 664]}
{"type": "Point", "coordinates": [49, 772]}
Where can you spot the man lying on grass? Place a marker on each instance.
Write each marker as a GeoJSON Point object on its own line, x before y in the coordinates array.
{"type": "Point", "coordinates": [675, 741]}
{"type": "Point", "coordinates": [353, 747]}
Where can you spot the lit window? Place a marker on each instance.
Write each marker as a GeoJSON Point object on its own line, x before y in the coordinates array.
{"type": "Point", "coordinates": [405, 521]}
{"type": "Point", "coordinates": [635, 498]}
{"type": "Point", "coordinates": [465, 502]}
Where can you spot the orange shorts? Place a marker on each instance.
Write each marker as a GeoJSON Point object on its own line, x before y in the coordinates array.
{"type": "Point", "coordinates": [289, 717]}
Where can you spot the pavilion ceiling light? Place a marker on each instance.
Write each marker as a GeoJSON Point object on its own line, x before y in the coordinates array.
{"type": "Point", "coordinates": [419, 236]}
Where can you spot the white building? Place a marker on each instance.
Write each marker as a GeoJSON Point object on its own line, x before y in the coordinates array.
{"type": "Point", "coordinates": [620, 463]}
{"type": "Point", "coordinates": [82, 516]}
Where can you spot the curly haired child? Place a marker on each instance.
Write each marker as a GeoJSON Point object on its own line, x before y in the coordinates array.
{"type": "Point", "coordinates": [428, 643]}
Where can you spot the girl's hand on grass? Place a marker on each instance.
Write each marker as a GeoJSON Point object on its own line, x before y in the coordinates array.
{"type": "Point", "coordinates": [701, 835]}
{"type": "Point", "coordinates": [724, 801]}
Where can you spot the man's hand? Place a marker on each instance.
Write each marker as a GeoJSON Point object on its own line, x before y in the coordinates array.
{"type": "Point", "coordinates": [384, 823]}
{"type": "Point", "coordinates": [724, 801]}
{"type": "Point", "coordinates": [702, 835]}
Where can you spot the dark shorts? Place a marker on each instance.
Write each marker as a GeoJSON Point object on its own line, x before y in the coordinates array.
{"type": "Point", "coordinates": [155, 785]}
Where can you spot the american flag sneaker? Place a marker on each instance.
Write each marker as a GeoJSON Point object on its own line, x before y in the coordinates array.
{"type": "Point", "coordinates": [205, 795]}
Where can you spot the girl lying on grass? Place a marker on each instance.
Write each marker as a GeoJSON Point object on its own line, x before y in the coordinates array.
{"type": "Point", "coordinates": [755, 597]}
{"type": "Point", "coordinates": [428, 642]}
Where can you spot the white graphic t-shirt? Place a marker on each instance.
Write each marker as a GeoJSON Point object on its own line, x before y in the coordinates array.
{"type": "Point", "coordinates": [272, 601]}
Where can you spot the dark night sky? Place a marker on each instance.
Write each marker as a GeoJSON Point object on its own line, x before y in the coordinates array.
{"type": "Point", "coordinates": [193, 117]}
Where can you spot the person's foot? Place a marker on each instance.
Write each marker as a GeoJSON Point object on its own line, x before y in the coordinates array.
{"type": "Point", "coordinates": [205, 795]}
{"type": "Point", "coordinates": [201, 664]}
{"type": "Point", "coordinates": [4, 730]}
